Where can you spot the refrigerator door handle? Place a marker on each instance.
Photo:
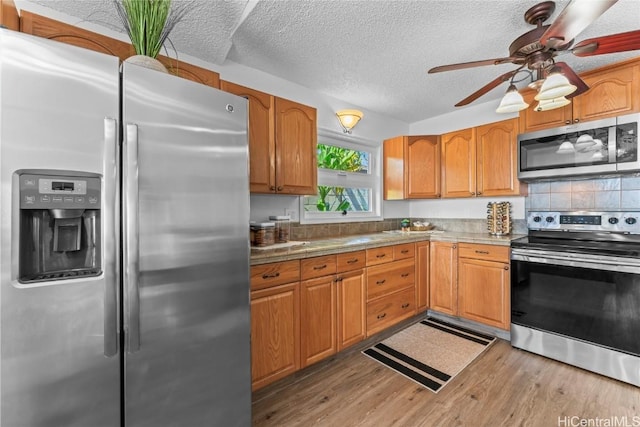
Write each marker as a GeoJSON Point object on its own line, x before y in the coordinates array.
{"type": "Point", "coordinates": [131, 250]}
{"type": "Point", "coordinates": [111, 282]}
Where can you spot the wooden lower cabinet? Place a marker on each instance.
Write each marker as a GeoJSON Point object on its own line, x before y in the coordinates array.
{"type": "Point", "coordinates": [484, 285]}
{"type": "Point", "coordinates": [332, 307]}
{"type": "Point", "coordinates": [422, 276]}
{"type": "Point", "coordinates": [443, 280]}
{"type": "Point", "coordinates": [275, 333]}
{"type": "Point", "coordinates": [318, 319]}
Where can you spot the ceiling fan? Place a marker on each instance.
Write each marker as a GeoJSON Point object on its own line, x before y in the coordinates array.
{"type": "Point", "coordinates": [535, 50]}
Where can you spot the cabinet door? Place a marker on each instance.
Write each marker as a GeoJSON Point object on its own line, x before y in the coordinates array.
{"type": "Point", "coordinates": [275, 333]}
{"type": "Point", "coordinates": [483, 292]}
{"type": "Point", "coordinates": [612, 92]}
{"type": "Point", "coordinates": [318, 319]}
{"type": "Point", "coordinates": [9, 17]}
{"type": "Point", "coordinates": [443, 280]}
{"type": "Point", "coordinates": [497, 159]}
{"type": "Point", "coordinates": [393, 168]}
{"type": "Point", "coordinates": [262, 144]}
{"type": "Point", "coordinates": [531, 120]}
{"type": "Point", "coordinates": [296, 144]}
{"type": "Point", "coordinates": [459, 163]}
{"type": "Point", "coordinates": [351, 308]}
{"type": "Point", "coordinates": [423, 167]}
{"type": "Point", "coordinates": [422, 275]}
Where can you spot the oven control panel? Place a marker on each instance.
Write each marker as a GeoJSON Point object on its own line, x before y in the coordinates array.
{"type": "Point", "coordinates": [616, 221]}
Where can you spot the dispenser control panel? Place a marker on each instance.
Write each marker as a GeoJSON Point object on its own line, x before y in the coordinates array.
{"type": "Point", "coordinates": [59, 192]}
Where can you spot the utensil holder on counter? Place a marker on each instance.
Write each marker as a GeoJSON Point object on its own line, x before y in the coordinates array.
{"type": "Point", "coordinates": [499, 218]}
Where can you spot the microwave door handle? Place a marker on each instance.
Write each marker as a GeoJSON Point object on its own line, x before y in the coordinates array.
{"type": "Point", "coordinates": [111, 270]}
{"type": "Point", "coordinates": [131, 249]}
{"type": "Point", "coordinates": [612, 145]}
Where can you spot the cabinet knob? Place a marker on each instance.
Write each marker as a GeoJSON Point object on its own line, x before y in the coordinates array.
{"type": "Point", "coordinates": [473, 193]}
{"type": "Point", "coordinates": [280, 188]}
{"type": "Point", "coordinates": [479, 193]}
{"type": "Point", "coordinates": [272, 188]}
{"type": "Point", "coordinates": [576, 120]}
{"type": "Point", "coordinates": [454, 246]}
{"type": "Point", "coordinates": [506, 267]}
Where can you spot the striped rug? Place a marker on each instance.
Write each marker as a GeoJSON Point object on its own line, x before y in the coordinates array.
{"type": "Point", "coordinates": [430, 352]}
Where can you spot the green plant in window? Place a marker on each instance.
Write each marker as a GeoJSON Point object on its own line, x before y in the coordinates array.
{"type": "Point", "coordinates": [336, 158]}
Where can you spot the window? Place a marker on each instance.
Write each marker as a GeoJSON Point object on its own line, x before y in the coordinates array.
{"type": "Point", "coordinates": [348, 181]}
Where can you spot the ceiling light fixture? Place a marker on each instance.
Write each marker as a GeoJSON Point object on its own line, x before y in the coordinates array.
{"type": "Point", "coordinates": [556, 85]}
{"type": "Point", "coordinates": [348, 119]}
{"type": "Point", "coordinates": [551, 104]}
{"type": "Point", "coordinates": [512, 101]}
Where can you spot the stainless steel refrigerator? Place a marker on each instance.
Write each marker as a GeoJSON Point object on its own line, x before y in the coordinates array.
{"type": "Point", "coordinates": [124, 255]}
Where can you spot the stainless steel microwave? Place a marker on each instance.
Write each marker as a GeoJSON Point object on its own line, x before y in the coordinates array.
{"type": "Point", "coordinates": [599, 147]}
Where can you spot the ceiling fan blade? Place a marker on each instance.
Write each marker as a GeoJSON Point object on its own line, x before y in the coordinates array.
{"type": "Point", "coordinates": [471, 64]}
{"type": "Point", "coordinates": [486, 88]}
{"type": "Point", "coordinates": [577, 16]}
{"type": "Point", "coordinates": [573, 78]}
{"type": "Point", "coordinates": [621, 42]}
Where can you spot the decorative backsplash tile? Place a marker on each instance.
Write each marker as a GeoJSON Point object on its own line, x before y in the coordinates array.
{"type": "Point", "coordinates": [597, 193]}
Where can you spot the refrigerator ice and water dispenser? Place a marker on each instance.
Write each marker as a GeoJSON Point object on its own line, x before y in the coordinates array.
{"type": "Point", "coordinates": [59, 226]}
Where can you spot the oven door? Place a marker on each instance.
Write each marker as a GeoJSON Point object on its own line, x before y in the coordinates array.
{"type": "Point", "coordinates": [586, 297]}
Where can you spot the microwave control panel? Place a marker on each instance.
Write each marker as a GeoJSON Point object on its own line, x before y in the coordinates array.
{"type": "Point", "coordinates": [612, 221]}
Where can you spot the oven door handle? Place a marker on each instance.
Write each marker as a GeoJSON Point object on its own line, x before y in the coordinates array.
{"type": "Point", "coordinates": [618, 264]}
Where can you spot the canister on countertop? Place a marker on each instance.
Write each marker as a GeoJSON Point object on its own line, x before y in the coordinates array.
{"type": "Point", "coordinates": [263, 233]}
{"type": "Point", "coordinates": [283, 227]}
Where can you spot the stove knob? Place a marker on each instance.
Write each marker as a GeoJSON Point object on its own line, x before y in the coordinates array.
{"type": "Point", "coordinates": [537, 218]}
{"type": "Point", "coordinates": [613, 220]}
{"type": "Point", "coordinates": [630, 220]}
{"type": "Point", "coordinates": [549, 219]}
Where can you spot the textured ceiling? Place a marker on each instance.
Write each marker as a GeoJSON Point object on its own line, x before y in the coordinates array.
{"type": "Point", "coordinates": [372, 53]}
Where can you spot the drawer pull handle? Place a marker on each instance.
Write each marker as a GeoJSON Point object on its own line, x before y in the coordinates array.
{"type": "Point", "coordinates": [381, 255]}
{"type": "Point", "coordinates": [404, 275]}
{"type": "Point", "coordinates": [483, 252]}
{"type": "Point", "coordinates": [382, 316]}
{"type": "Point", "coordinates": [270, 276]}
{"type": "Point", "coordinates": [380, 282]}
{"type": "Point", "coordinates": [404, 251]}
{"type": "Point", "coordinates": [405, 305]}
{"type": "Point", "coordinates": [320, 267]}
{"type": "Point", "coordinates": [352, 261]}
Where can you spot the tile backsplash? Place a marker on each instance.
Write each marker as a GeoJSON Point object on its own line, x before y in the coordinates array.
{"type": "Point", "coordinates": [617, 193]}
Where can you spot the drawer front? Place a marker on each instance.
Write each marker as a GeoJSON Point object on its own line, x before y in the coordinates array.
{"type": "Point", "coordinates": [485, 252]}
{"type": "Point", "coordinates": [273, 274]}
{"type": "Point", "coordinates": [384, 279]}
{"type": "Point", "coordinates": [379, 255]}
{"type": "Point", "coordinates": [405, 251]}
{"type": "Point", "coordinates": [318, 266]}
{"type": "Point", "coordinates": [351, 261]}
{"type": "Point", "coordinates": [390, 310]}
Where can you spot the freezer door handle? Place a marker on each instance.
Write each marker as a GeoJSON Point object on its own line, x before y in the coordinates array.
{"type": "Point", "coordinates": [131, 248]}
{"type": "Point", "coordinates": [111, 283]}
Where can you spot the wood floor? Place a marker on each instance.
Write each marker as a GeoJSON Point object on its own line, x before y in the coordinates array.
{"type": "Point", "coordinates": [503, 387]}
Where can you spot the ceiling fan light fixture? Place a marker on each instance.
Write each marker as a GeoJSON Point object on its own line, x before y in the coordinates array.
{"type": "Point", "coordinates": [556, 85]}
{"type": "Point", "coordinates": [512, 101]}
{"type": "Point", "coordinates": [551, 104]}
{"type": "Point", "coordinates": [348, 119]}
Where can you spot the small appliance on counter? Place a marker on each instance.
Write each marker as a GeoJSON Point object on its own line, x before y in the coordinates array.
{"type": "Point", "coordinates": [499, 218]}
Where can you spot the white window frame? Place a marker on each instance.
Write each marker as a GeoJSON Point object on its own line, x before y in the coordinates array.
{"type": "Point", "coordinates": [349, 179]}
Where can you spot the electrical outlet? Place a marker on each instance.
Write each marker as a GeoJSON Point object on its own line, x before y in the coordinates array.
{"type": "Point", "coordinates": [293, 214]}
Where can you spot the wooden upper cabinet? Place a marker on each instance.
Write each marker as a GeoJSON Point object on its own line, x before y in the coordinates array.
{"type": "Point", "coordinates": [612, 92]}
{"type": "Point", "coordinates": [496, 152]}
{"type": "Point", "coordinates": [531, 120]}
{"type": "Point", "coordinates": [55, 30]}
{"type": "Point", "coordinates": [411, 167]}
{"type": "Point", "coordinates": [262, 144]}
{"type": "Point", "coordinates": [459, 163]}
{"type": "Point", "coordinates": [296, 145]}
{"type": "Point", "coordinates": [9, 17]}
{"type": "Point", "coordinates": [282, 143]}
